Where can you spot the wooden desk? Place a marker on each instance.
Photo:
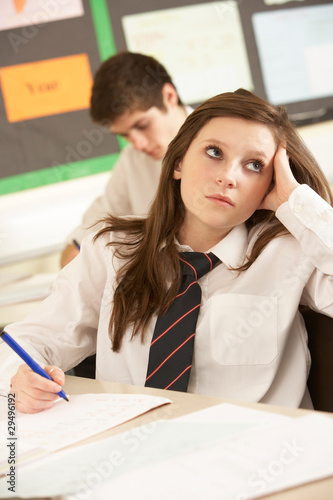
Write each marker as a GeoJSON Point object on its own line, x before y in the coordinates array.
{"type": "Point", "coordinates": [183, 403]}
{"type": "Point", "coordinates": [186, 403]}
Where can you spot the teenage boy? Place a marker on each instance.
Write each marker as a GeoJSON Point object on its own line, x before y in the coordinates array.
{"type": "Point", "coordinates": [135, 97]}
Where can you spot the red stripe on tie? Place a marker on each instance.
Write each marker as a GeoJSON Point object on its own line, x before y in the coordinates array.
{"type": "Point", "coordinates": [182, 293]}
{"type": "Point", "coordinates": [173, 324]}
{"type": "Point", "coordinates": [194, 269]}
{"type": "Point", "coordinates": [182, 373]}
{"type": "Point", "coordinates": [168, 357]}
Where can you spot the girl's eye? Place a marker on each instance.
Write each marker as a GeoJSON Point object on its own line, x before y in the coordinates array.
{"type": "Point", "coordinates": [214, 152]}
{"type": "Point", "coordinates": [255, 166]}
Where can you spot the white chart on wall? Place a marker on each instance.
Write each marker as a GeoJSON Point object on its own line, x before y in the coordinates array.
{"type": "Point", "coordinates": [202, 46]}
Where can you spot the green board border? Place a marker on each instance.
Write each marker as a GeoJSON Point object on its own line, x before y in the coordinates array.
{"type": "Point", "coordinates": [51, 175]}
{"type": "Point", "coordinates": [56, 174]}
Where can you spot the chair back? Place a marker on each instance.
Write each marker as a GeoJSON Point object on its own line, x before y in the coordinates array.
{"type": "Point", "coordinates": [320, 341]}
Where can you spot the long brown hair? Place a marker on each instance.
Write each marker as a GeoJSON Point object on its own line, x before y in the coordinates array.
{"type": "Point", "coordinates": [150, 276]}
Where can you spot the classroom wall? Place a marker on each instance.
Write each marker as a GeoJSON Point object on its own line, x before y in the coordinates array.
{"type": "Point", "coordinates": [35, 222]}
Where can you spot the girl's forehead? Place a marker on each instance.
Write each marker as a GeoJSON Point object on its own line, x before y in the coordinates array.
{"type": "Point", "coordinates": [233, 129]}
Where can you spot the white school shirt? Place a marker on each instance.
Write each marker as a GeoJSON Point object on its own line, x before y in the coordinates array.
{"type": "Point", "coordinates": [250, 343]}
{"type": "Point", "coordinates": [130, 189]}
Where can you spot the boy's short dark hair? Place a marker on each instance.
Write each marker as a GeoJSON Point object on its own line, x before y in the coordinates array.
{"type": "Point", "coordinates": [127, 81]}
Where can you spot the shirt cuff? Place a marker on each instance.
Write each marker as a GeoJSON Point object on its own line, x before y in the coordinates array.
{"type": "Point", "coordinates": [305, 209]}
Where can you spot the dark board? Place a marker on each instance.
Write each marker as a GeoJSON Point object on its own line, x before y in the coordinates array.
{"type": "Point", "coordinates": [61, 146]}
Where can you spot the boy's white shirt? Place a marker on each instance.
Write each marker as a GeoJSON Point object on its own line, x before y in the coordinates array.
{"type": "Point", "coordinates": [250, 343]}
{"type": "Point", "coordinates": [130, 189]}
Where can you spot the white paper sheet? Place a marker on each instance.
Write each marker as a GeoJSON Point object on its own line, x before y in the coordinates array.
{"type": "Point", "coordinates": [77, 471]}
{"type": "Point", "coordinates": [279, 2]}
{"type": "Point", "coordinates": [15, 14]}
{"type": "Point", "coordinates": [243, 452]}
{"type": "Point", "coordinates": [69, 422]}
{"type": "Point", "coordinates": [227, 413]}
{"type": "Point", "coordinates": [246, 466]}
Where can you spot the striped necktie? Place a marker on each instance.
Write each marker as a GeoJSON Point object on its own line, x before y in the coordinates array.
{"type": "Point", "coordinates": [171, 349]}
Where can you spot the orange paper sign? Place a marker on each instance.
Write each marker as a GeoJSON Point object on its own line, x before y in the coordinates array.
{"type": "Point", "coordinates": [46, 87]}
{"type": "Point", "coordinates": [19, 4]}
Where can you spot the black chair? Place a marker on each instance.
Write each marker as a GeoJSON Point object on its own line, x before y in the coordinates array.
{"type": "Point", "coordinates": [86, 368]}
{"type": "Point", "coordinates": [320, 341]}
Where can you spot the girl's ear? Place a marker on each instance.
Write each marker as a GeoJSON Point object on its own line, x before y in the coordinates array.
{"type": "Point", "coordinates": [177, 172]}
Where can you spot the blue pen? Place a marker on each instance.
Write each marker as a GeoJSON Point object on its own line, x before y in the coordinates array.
{"type": "Point", "coordinates": [76, 244]}
{"type": "Point", "coordinates": [28, 359]}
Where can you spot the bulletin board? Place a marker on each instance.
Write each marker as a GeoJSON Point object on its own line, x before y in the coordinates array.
{"type": "Point", "coordinates": [208, 47]}
{"type": "Point", "coordinates": [49, 53]}
{"type": "Point", "coordinates": [279, 49]}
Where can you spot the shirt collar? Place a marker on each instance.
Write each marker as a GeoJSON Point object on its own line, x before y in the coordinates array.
{"type": "Point", "coordinates": [231, 250]}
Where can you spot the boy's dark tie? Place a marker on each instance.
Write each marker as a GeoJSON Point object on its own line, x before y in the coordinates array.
{"type": "Point", "coordinates": [171, 350]}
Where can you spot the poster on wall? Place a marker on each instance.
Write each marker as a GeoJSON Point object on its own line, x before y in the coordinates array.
{"type": "Point", "coordinates": [201, 66]}
{"type": "Point", "coordinates": [49, 54]}
{"type": "Point", "coordinates": [18, 13]}
{"type": "Point", "coordinates": [47, 87]}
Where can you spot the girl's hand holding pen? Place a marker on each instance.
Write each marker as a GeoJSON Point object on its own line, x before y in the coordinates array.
{"type": "Point", "coordinates": [33, 392]}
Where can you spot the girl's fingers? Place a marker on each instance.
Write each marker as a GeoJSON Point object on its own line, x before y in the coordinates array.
{"type": "Point", "coordinates": [33, 392]}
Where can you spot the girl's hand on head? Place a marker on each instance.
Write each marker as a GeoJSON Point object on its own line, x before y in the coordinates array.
{"type": "Point", "coordinates": [34, 393]}
{"type": "Point", "coordinates": [283, 183]}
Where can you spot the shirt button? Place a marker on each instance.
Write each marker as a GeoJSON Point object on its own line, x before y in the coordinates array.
{"type": "Point", "coordinates": [298, 208]}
